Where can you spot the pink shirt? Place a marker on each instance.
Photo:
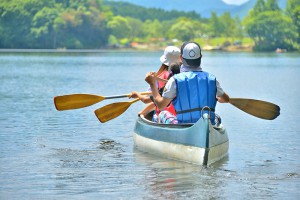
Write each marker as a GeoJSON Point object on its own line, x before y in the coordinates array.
{"type": "Point", "coordinates": [163, 75]}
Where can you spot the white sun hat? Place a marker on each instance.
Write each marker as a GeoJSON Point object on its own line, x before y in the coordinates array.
{"type": "Point", "coordinates": [171, 55]}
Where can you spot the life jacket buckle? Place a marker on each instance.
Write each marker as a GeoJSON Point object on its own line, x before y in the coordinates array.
{"type": "Point", "coordinates": [206, 108]}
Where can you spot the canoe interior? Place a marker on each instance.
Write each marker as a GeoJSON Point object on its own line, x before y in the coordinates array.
{"type": "Point", "coordinates": [148, 119]}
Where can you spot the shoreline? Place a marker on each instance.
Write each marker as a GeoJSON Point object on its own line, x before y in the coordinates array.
{"type": "Point", "coordinates": [105, 50]}
{"type": "Point", "coordinates": [236, 48]}
{"type": "Point", "coordinates": [67, 50]}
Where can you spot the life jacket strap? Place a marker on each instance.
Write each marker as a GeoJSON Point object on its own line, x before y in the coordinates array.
{"type": "Point", "coordinates": [192, 110]}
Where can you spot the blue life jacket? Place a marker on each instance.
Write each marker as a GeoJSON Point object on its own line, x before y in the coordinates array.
{"type": "Point", "coordinates": [195, 90]}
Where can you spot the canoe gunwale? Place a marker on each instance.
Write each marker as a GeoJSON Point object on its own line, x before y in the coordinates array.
{"type": "Point", "coordinates": [199, 143]}
{"type": "Point", "coordinates": [179, 126]}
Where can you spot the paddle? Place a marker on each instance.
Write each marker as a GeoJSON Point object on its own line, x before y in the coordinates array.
{"type": "Point", "coordinates": [113, 110]}
{"type": "Point", "coordinates": [257, 108]}
{"type": "Point", "coordinates": [75, 101]}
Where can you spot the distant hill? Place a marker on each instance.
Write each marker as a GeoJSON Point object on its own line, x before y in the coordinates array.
{"type": "Point", "coordinates": [126, 9]}
{"type": "Point", "coordinates": [202, 7]}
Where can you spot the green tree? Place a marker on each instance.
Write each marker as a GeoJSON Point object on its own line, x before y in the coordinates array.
{"type": "Point", "coordinates": [15, 22]}
{"type": "Point", "coordinates": [82, 24]}
{"type": "Point", "coordinates": [126, 9]}
{"type": "Point", "coordinates": [258, 8]}
{"type": "Point", "coordinates": [200, 29]}
{"type": "Point", "coordinates": [272, 5]}
{"type": "Point", "coordinates": [228, 25]}
{"type": "Point", "coordinates": [267, 25]}
{"type": "Point", "coordinates": [119, 27]}
{"type": "Point", "coordinates": [53, 23]}
{"type": "Point", "coordinates": [216, 27]}
{"type": "Point", "coordinates": [183, 30]}
{"type": "Point", "coordinates": [239, 31]}
{"type": "Point", "coordinates": [271, 30]}
{"type": "Point", "coordinates": [136, 28]}
{"type": "Point", "coordinates": [166, 26]}
{"type": "Point", "coordinates": [293, 11]}
{"type": "Point", "coordinates": [43, 26]}
{"type": "Point", "coordinates": [153, 28]}
{"type": "Point", "coordinates": [112, 41]}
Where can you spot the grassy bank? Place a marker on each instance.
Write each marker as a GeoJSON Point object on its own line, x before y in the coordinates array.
{"type": "Point", "coordinates": [225, 44]}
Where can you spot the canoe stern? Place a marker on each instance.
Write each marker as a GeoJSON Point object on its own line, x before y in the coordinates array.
{"type": "Point", "coordinates": [198, 143]}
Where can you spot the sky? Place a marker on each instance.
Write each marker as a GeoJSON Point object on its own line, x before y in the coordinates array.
{"type": "Point", "coordinates": [237, 2]}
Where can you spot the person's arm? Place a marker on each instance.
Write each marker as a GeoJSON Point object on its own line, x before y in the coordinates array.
{"type": "Point", "coordinates": [159, 101]}
{"type": "Point", "coordinates": [224, 98]}
{"type": "Point", "coordinates": [221, 95]}
{"type": "Point", "coordinates": [143, 98]}
{"type": "Point", "coordinates": [147, 109]}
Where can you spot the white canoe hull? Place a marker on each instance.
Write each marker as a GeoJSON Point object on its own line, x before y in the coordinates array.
{"type": "Point", "coordinates": [147, 139]}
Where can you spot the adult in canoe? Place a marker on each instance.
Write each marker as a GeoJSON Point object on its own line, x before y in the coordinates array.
{"type": "Point", "coordinates": [170, 60]}
{"type": "Point", "coordinates": [191, 90]}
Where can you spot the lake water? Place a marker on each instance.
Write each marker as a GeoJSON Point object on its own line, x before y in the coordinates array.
{"type": "Point", "coordinates": [47, 154]}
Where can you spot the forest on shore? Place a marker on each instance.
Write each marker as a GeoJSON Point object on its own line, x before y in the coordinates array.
{"type": "Point", "coordinates": [97, 24]}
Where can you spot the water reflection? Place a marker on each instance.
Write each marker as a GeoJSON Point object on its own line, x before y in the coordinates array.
{"type": "Point", "coordinates": [171, 179]}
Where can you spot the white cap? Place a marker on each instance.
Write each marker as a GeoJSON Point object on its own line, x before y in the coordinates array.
{"type": "Point", "coordinates": [191, 54]}
{"type": "Point", "coordinates": [171, 55]}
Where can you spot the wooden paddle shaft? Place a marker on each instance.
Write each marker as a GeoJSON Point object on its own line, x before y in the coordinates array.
{"type": "Point", "coordinates": [124, 95]}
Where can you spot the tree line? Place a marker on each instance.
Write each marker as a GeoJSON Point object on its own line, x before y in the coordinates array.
{"type": "Point", "coordinates": [89, 24]}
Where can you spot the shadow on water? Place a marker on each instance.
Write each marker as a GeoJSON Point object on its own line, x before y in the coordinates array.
{"type": "Point", "coordinates": [81, 171]}
{"type": "Point", "coordinates": [76, 158]}
{"type": "Point", "coordinates": [107, 145]}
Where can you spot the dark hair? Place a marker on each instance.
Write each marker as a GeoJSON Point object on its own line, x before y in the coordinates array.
{"type": "Point", "coordinates": [175, 68]}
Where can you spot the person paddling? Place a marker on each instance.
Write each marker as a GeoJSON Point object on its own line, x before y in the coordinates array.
{"type": "Point", "coordinates": [191, 90]}
{"type": "Point", "coordinates": [170, 58]}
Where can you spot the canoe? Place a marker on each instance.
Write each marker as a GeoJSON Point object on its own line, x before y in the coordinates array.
{"type": "Point", "coordinates": [200, 143]}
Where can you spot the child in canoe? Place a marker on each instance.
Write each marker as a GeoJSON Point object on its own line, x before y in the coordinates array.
{"type": "Point", "coordinates": [170, 66]}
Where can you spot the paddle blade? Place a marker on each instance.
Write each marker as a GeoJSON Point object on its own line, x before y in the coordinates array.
{"type": "Point", "coordinates": [111, 111]}
{"type": "Point", "coordinates": [257, 108]}
{"type": "Point", "coordinates": [75, 101]}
